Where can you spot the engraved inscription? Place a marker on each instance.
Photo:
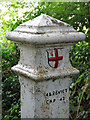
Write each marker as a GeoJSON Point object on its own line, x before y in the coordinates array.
{"type": "Point", "coordinates": [59, 93]}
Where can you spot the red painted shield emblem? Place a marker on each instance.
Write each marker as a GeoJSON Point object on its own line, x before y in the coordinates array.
{"type": "Point", "coordinates": [54, 57]}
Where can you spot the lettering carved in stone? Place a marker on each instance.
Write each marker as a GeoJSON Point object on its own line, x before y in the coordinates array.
{"type": "Point", "coordinates": [55, 93]}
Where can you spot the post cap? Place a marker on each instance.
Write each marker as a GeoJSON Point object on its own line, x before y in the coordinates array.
{"type": "Point", "coordinates": [45, 30]}
{"type": "Point", "coordinates": [45, 55]}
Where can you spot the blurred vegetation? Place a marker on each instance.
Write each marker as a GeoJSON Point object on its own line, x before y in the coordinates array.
{"type": "Point", "coordinates": [75, 14]}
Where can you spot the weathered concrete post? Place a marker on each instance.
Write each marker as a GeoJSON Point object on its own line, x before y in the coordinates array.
{"type": "Point", "coordinates": [44, 68]}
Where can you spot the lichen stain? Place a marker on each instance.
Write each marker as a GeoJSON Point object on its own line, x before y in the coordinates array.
{"type": "Point", "coordinates": [40, 66]}
{"type": "Point", "coordinates": [44, 109]}
{"type": "Point", "coordinates": [47, 35]}
{"type": "Point", "coordinates": [56, 22]}
{"type": "Point", "coordinates": [42, 71]}
{"type": "Point", "coordinates": [65, 111]}
{"type": "Point", "coordinates": [64, 94]}
{"type": "Point", "coordinates": [53, 70]}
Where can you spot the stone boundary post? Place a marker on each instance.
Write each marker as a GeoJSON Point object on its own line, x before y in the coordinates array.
{"type": "Point", "coordinates": [44, 68]}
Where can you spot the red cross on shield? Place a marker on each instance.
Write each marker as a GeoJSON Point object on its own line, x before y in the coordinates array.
{"type": "Point", "coordinates": [54, 58]}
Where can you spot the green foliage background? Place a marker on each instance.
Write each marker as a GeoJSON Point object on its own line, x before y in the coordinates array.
{"type": "Point", "coordinates": [75, 14]}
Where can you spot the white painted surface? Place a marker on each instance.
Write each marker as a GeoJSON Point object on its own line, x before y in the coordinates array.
{"type": "Point", "coordinates": [47, 99]}
{"type": "Point", "coordinates": [44, 67]}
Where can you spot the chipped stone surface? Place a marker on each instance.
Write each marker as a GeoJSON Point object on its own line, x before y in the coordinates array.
{"type": "Point", "coordinates": [44, 68]}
